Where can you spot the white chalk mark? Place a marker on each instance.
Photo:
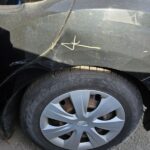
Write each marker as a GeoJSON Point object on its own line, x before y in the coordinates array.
{"type": "Point", "coordinates": [71, 46]}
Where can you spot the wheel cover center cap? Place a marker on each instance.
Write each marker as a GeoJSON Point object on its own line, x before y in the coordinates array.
{"type": "Point", "coordinates": [82, 123]}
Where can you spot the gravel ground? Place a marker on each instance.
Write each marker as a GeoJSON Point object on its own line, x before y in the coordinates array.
{"type": "Point", "coordinates": [140, 140]}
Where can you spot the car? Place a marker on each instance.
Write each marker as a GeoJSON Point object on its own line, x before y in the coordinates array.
{"type": "Point", "coordinates": [75, 72]}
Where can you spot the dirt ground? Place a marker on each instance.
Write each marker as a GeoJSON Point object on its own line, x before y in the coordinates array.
{"type": "Point", "coordinates": [140, 140]}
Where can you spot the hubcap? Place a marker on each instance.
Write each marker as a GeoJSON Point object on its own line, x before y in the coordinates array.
{"type": "Point", "coordinates": [82, 123]}
{"type": "Point", "coordinates": [82, 119]}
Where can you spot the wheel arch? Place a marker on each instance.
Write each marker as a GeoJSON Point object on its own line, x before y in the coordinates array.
{"type": "Point", "coordinates": [12, 106]}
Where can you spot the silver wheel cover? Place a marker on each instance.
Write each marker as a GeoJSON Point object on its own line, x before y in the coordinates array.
{"type": "Point", "coordinates": [82, 119]}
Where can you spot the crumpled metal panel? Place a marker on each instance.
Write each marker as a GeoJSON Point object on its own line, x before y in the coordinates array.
{"type": "Point", "coordinates": [112, 34]}
{"type": "Point", "coordinates": [106, 33]}
{"type": "Point", "coordinates": [34, 26]}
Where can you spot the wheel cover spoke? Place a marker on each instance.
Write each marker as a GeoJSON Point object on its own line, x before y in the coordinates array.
{"type": "Point", "coordinates": [95, 138]}
{"type": "Point", "coordinates": [80, 100]}
{"type": "Point", "coordinates": [106, 106]}
{"type": "Point", "coordinates": [55, 111]}
{"type": "Point", "coordinates": [74, 141]}
{"type": "Point", "coordinates": [112, 125]}
{"type": "Point", "coordinates": [53, 132]}
{"type": "Point", "coordinates": [82, 128]}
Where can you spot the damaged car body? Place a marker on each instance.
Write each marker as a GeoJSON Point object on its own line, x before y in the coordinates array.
{"type": "Point", "coordinates": [75, 72]}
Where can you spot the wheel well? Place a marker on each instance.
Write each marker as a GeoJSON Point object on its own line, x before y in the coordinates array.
{"type": "Point", "coordinates": [13, 104]}
{"type": "Point", "coordinates": [140, 86]}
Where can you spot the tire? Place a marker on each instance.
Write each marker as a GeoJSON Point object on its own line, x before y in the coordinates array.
{"type": "Point", "coordinates": [45, 90]}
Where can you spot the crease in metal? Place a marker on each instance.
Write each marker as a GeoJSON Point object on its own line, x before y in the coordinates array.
{"type": "Point", "coordinates": [51, 47]}
{"type": "Point", "coordinates": [146, 78]}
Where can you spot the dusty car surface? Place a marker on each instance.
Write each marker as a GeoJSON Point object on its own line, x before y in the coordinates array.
{"type": "Point", "coordinates": [75, 72]}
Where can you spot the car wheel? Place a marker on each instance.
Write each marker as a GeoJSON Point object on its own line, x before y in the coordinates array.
{"type": "Point", "coordinates": [80, 110]}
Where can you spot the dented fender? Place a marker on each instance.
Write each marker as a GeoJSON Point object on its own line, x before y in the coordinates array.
{"type": "Point", "coordinates": [55, 34]}
{"type": "Point", "coordinates": [108, 34]}
{"type": "Point", "coordinates": [111, 35]}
